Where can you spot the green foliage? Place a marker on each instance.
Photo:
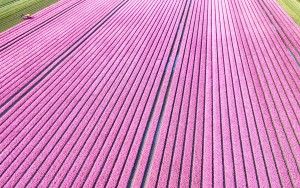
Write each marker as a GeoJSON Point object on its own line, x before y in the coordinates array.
{"type": "Point", "coordinates": [11, 10]}
{"type": "Point", "coordinates": [292, 7]}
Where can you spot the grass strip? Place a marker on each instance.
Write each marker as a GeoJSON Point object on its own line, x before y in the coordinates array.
{"type": "Point", "coordinates": [11, 11]}
{"type": "Point", "coordinates": [292, 7]}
